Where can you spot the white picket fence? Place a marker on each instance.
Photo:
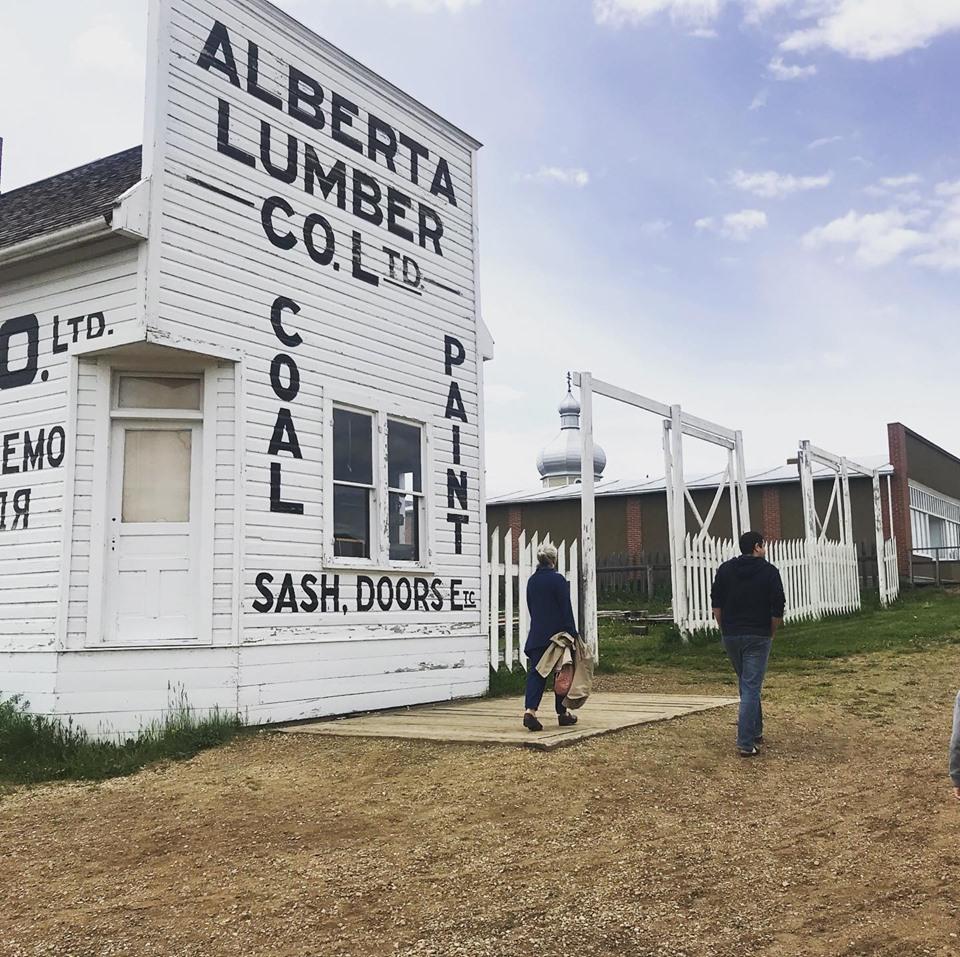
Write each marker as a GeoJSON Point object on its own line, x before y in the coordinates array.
{"type": "Point", "coordinates": [820, 578]}
{"type": "Point", "coordinates": [892, 578]}
{"type": "Point", "coordinates": [505, 591]}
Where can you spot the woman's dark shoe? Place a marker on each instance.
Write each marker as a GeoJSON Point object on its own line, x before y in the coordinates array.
{"type": "Point", "coordinates": [531, 723]}
{"type": "Point", "coordinates": [566, 719]}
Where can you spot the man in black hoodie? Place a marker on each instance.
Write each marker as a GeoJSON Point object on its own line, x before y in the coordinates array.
{"type": "Point", "coordinates": [748, 604]}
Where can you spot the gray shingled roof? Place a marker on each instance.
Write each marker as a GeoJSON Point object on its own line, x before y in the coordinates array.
{"type": "Point", "coordinates": [67, 199]}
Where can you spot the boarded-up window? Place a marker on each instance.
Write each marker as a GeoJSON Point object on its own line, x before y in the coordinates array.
{"type": "Point", "coordinates": [156, 475]}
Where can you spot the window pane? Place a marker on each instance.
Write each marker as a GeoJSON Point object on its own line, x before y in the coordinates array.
{"type": "Point", "coordinates": [156, 475]}
{"type": "Point", "coordinates": [351, 522]}
{"type": "Point", "coordinates": [161, 392]}
{"type": "Point", "coordinates": [404, 528]}
{"type": "Point", "coordinates": [403, 456]}
{"type": "Point", "coordinates": [352, 447]}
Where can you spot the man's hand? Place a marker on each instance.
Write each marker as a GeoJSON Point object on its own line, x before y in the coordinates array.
{"type": "Point", "coordinates": [775, 624]}
{"type": "Point", "coordinates": [717, 615]}
{"type": "Point", "coordinates": [956, 793]}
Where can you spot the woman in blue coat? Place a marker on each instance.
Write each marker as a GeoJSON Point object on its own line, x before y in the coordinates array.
{"type": "Point", "coordinates": [548, 600]}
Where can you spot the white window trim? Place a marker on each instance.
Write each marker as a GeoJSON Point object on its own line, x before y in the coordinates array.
{"type": "Point", "coordinates": [382, 409]}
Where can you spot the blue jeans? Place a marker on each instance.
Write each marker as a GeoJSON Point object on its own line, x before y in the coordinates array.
{"type": "Point", "coordinates": [748, 654]}
{"type": "Point", "coordinates": [536, 683]}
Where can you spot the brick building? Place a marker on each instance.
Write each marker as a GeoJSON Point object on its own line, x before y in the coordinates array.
{"type": "Point", "coordinates": [922, 479]}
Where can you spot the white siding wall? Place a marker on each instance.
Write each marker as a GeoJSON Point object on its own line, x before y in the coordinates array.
{"type": "Point", "coordinates": [226, 530]}
{"type": "Point", "coordinates": [214, 278]}
{"type": "Point", "coordinates": [30, 558]}
{"type": "Point", "coordinates": [85, 485]}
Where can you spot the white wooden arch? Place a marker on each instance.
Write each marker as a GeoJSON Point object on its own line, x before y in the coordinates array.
{"type": "Point", "coordinates": [815, 527]}
{"type": "Point", "coordinates": [676, 425]}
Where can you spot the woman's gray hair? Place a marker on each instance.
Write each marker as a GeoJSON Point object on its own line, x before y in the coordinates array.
{"type": "Point", "coordinates": [547, 554]}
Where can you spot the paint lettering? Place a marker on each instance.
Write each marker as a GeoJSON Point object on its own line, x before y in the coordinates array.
{"type": "Point", "coordinates": [284, 436]}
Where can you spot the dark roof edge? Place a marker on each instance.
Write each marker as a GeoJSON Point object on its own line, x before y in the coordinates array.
{"type": "Point", "coordinates": [5, 194]}
{"type": "Point", "coordinates": [926, 441]}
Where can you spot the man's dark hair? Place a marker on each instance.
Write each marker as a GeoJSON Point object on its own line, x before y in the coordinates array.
{"type": "Point", "coordinates": [749, 541]}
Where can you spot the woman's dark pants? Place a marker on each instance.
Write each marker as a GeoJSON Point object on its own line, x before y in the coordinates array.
{"type": "Point", "coordinates": [536, 683]}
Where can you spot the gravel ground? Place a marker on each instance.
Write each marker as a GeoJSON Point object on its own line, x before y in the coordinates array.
{"type": "Point", "coordinates": [842, 839]}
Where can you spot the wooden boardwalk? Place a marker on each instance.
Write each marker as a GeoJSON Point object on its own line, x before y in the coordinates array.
{"type": "Point", "coordinates": [498, 720]}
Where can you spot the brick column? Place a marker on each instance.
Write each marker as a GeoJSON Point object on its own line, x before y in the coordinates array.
{"type": "Point", "coordinates": [897, 438]}
{"type": "Point", "coordinates": [634, 525]}
{"type": "Point", "coordinates": [515, 523]}
{"type": "Point", "coordinates": [770, 512]}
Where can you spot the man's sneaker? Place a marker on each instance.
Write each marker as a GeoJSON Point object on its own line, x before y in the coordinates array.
{"type": "Point", "coordinates": [566, 719]}
{"type": "Point", "coordinates": [752, 753]}
{"type": "Point", "coordinates": [531, 723]}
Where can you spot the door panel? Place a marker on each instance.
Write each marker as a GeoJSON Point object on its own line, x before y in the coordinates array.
{"type": "Point", "coordinates": [153, 584]}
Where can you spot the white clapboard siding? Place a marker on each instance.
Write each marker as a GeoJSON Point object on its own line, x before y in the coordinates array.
{"type": "Point", "coordinates": [84, 490]}
{"type": "Point", "coordinates": [382, 341]}
{"type": "Point", "coordinates": [32, 558]}
{"type": "Point", "coordinates": [207, 283]}
{"type": "Point", "coordinates": [287, 682]}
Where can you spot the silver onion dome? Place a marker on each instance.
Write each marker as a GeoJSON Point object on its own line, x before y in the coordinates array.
{"type": "Point", "coordinates": [559, 462]}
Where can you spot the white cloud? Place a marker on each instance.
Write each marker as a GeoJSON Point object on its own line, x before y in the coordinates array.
{"type": "Point", "coordinates": [431, 6]}
{"type": "Point", "coordinates": [949, 188]}
{"type": "Point", "coordinates": [823, 141]}
{"type": "Point", "coordinates": [573, 176]}
{"type": "Point", "coordinates": [757, 10]}
{"type": "Point", "coordinates": [759, 101]}
{"type": "Point", "coordinates": [655, 227]}
{"type": "Point", "coordinates": [925, 228]}
{"type": "Point", "coordinates": [106, 48]}
{"type": "Point", "coordinates": [875, 29]}
{"type": "Point", "coordinates": [789, 71]}
{"type": "Point", "coordinates": [616, 13]}
{"type": "Point", "coordinates": [772, 185]}
{"type": "Point", "coordinates": [895, 182]}
{"type": "Point", "coordinates": [877, 238]}
{"type": "Point", "coordinates": [862, 29]}
{"type": "Point", "coordinates": [736, 226]}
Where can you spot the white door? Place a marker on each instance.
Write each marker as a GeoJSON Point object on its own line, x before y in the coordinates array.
{"type": "Point", "coordinates": [154, 531]}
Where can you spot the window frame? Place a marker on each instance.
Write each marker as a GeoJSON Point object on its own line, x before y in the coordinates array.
{"type": "Point", "coordinates": [138, 412]}
{"type": "Point", "coordinates": [382, 409]}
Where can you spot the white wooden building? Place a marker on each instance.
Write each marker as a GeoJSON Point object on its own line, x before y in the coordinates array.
{"type": "Point", "coordinates": [241, 395]}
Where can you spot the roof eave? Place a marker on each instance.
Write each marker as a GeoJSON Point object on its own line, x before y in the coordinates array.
{"type": "Point", "coordinates": [69, 237]}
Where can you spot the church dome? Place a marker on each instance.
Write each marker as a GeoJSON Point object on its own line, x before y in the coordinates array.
{"type": "Point", "coordinates": [559, 462]}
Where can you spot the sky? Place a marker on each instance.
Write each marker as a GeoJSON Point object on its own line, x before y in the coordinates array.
{"type": "Point", "coordinates": [748, 207]}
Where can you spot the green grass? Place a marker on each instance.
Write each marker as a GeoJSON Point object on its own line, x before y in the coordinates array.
{"type": "Point", "coordinates": [919, 619]}
{"type": "Point", "coordinates": [657, 604]}
{"type": "Point", "coordinates": [35, 748]}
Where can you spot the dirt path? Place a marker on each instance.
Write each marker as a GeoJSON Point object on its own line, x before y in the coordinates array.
{"type": "Point", "coordinates": [842, 840]}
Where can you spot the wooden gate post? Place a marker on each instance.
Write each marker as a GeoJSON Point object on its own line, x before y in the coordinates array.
{"type": "Point", "coordinates": [588, 517]}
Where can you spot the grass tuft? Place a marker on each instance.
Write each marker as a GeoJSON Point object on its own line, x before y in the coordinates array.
{"type": "Point", "coordinates": [35, 748]}
{"type": "Point", "coordinates": [507, 681]}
